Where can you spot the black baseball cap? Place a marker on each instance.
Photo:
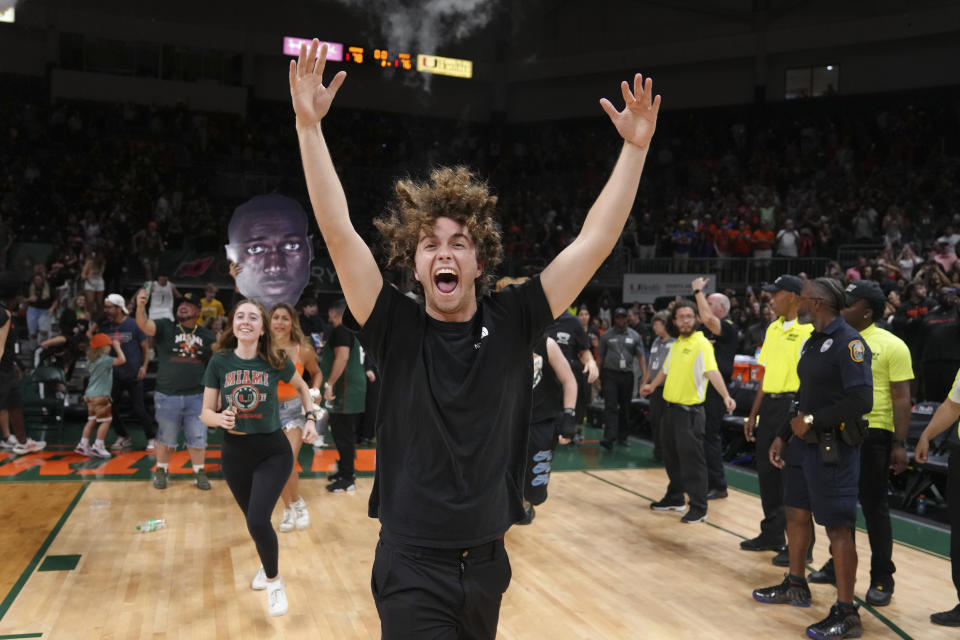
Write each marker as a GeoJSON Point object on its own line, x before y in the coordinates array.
{"type": "Point", "coordinates": [188, 297]}
{"type": "Point", "coordinates": [786, 282]}
{"type": "Point", "coordinates": [619, 311]}
{"type": "Point", "coordinates": [865, 290]}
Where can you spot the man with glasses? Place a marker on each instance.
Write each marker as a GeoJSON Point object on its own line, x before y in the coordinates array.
{"type": "Point", "coordinates": [271, 249]}
{"type": "Point", "coordinates": [821, 456]}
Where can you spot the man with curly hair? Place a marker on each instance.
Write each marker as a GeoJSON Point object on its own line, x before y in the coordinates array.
{"type": "Point", "coordinates": [455, 372]}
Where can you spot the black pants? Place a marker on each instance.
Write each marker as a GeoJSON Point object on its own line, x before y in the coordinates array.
{"type": "Point", "coordinates": [583, 392]}
{"type": "Point", "coordinates": [257, 467]}
{"type": "Point", "coordinates": [773, 414]}
{"type": "Point", "coordinates": [874, 475]}
{"type": "Point", "coordinates": [133, 389]}
{"type": "Point", "coordinates": [343, 427]}
{"type": "Point", "coordinates": [682, 443]}
{"type": "Point", "coordinates": [617, 389]}
{"type": "Point", "coordinates": [440, 594]}
{"type": "Point", "coordinates": [713, 440]}
{"type": "Point", "coordinates": [541, 444]}
{"type": "Point", "coordinates": [953, 513]}
{"type": "Point", "coordinates": [655, 416]}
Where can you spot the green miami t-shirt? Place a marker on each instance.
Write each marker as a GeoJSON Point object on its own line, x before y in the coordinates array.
{"type": "Point", "coordinates": [181, 357]}
{"type": "Point", "coordinates": [251, 387]}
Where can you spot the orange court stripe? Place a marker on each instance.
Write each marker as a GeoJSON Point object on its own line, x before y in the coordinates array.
{"type": "Point", "coordinates": [119, 465]}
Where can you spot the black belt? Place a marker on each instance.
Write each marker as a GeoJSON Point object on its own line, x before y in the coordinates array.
{"type": "Point", "coordinates": [685, 407]}
{"type": "Point", "coordinates": [485, 551]}
{"type": "Point", "coordinates": [775, 396]}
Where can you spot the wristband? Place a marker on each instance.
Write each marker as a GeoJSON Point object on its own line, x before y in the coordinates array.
{"type": "Point", "coordinates": [310, 415]}
{"type": "Point", "coordinates": [696, 291]}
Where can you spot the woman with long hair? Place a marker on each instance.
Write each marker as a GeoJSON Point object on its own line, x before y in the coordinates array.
{"type": "Point", "coordinates": [287, 336]}
{"type": "Point", "coordinates": [92, 275]}
{"type": "Point", "coordinates": [256, 459]}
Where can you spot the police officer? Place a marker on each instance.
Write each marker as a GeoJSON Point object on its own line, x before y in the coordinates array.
{"type": "Point", "coordinates": [618, 348]}
{"type": "Point", "coordinates": [822, 454]}
{"type": "Point", "coordinates": [888, 423]}
{"type": "Point", "coordinates": [769, 414]}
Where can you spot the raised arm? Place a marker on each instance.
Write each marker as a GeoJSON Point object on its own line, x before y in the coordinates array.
{"type": "Point", "coordinates": [567, 274]}
{"type": "Point", "coordinates": [356, 268]}
{"type": "Point", "coordinates": [146, 325]}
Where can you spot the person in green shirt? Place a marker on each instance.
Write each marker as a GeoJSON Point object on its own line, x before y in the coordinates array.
{"type": "Point", "coordinates": [256, 459]}
{"type": "Point", "coordinates": [97, 395]}
{"type": "Point", "coordinates": [183, 349]}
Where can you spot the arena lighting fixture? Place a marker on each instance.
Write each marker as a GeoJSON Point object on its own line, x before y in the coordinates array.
{"type": "Point", "coordinates": [9, 15]}
{"type": "Point", "coordinates": [829, 67]}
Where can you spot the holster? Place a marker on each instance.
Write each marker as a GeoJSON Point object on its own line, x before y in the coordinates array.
{"type": "Point", "coordinates": [828, 447]}
{"type": "Point", "coordinates": [853, 433]}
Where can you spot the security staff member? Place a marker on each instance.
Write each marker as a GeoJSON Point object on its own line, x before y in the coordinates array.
{"type": "Point", "coordinates": [618, 347]}
{"type": "Point", "coordinates": [686, 371]}
{"type": "Point", "coordinates": [822, 457]}
{"type": "Point", "coordinates": [945, 418]}
{"type": "Point", "coordinates": [883, 447]}
{"type": "Point", "coordinates": [573, 341]}
{"type": "Point", "coordinates": [779, 356]}
{"type": "Point", "coordinates": [724, 335]}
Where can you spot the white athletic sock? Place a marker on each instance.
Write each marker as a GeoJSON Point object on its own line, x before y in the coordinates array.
{"type": "Point", "coordinates": [98, 442]}
{"type": "Point", "coordinates": [163, 465]}
{"type": "Point", "coordinates": [197, 468]}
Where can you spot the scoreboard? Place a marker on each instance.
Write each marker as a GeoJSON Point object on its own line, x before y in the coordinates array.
{"type": "Point", "coordinates": [352, 54]}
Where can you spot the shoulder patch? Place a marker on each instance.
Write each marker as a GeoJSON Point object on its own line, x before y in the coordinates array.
{"type": "Point", "coordinates": [856, 350]}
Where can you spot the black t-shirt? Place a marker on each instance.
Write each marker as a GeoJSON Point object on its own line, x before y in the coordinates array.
{"type": "Point", "coordinates": [8, 361]}
{"type": "Point", "coordinates": [547, 390]}
{"type": "Point", "coordinates": [316, 329]}
{"type": "Point", "coordinates": [452, 426]}
{"type": "Point", "coordinates": [725, 346]}
{"type": "Point", "coordinates": [940, 335]}
{"type": "Point", "coordinates": [569, 335]}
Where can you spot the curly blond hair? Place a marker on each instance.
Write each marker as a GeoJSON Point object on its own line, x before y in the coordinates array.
{"type": "Point", "coordinates": [452, 192]}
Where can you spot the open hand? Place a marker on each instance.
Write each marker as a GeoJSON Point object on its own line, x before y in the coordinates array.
{"type": "Point", "coordinates": [638, 120]}
{"type": "Point", "coordinates": [311, 100]}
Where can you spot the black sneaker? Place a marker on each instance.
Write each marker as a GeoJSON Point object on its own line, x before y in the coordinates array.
{"type": "Point", "coordinates": [342, 484]}
{"type": "Point", "coordinates": [666, 504]}
{"type": "Point", "coordinates": [606, 444]}
{"type": "Point", "coordinates": [787, 592]}
{"type": "Point", "coordinates": [716, 494]}
{"type": "Point", "coordinates": [694, 515]}
{"type": "Point", "coordinates": [880, 592]}
{"type": "Point", "coordinates": [837, 625]}
{"type": "Point", "coordinates": [333, 476]}
{"type": "Point", "coordinates": [947, 618]}
{"type": "Point", "coordinates": [824, 575]}
{"type": "Point", "coordinates": [201, 480]}
{"type": "Point", "coordinates": [782, 559]}
{"type": "Point", "coordinates": [760, 543]}
{"type": "Point", "coordinates": [623, 443]}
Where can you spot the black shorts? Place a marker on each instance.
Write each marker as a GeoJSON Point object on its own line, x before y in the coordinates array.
{"type": "Point", "coordinates": [829, 491]}
{"type": "Point", "coordinates": [10, 396]}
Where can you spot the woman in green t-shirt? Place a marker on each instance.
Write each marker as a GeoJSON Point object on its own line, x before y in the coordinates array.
{"type": "Point", "coordinates": [256, 458]}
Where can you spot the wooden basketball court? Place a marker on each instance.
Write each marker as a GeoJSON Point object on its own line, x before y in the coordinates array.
{"type": "Point", "coordinates": [595, 563]}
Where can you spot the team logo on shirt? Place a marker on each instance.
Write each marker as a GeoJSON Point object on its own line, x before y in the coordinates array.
{"type": "Point", "coordinates": [537, 369]}
{"type": "Point", "coordinates": [856, 350]}
{"type": "Point", "coordinates": [483, 334]}
{"type": "Point", "coordinates": [826, 345]}
{"type": "Point", "coordinates": [246, 397]}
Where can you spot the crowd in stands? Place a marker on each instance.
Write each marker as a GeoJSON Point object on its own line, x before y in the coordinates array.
{"type": "Point", "coordinates": [112, 187]}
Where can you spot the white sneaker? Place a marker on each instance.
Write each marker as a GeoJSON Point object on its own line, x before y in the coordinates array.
{"type": "Point", "coordinates": [287, 522]}
{"type": "Point", "coordinates": [30, 446]}
{"type": "Point", "coordinates": [151, 445]}
{"type": "Point", "coordinates": [277, 597]}
{"type": "Point", "coordinates": [121, 442]}
{"type": "Point", "coordinates": [260, 580]}
{"type": "Point", "coordinates": [83, 449]}
{"type": "Point", "coordinates": [100, 451]}
{"type": "Point", "coordinates": [9, 443]}
{"type": "Point", "coordinates": [302, 516]}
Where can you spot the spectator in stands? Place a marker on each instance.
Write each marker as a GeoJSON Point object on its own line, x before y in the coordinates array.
{"type": "Point", "coordinates": [787, 240]}
{"type": "Point", "coordinates": [210, 307]}
{"type": "Point", "coordinates": [946, 257]}
{"type": "Point", "coordinates": [94, 286]}
{"type": "Point", "coordinates": [950, 236]}
{"type": "Point", "coordinates": [312, 324]}
{"type": "Point", "coordinates": [762, 241]}
{"type": "Point", "coordinates": [940, 353]}
{"type": "Point", "coordinates": [41, 303]}
{"type": "Point", "coordinates": [147, 246]}
{"type": "Point", "coordinates": [162, 294]}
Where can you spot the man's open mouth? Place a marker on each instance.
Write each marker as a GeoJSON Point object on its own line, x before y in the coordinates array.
{"type": "Point", "coordinates": [446, 280]}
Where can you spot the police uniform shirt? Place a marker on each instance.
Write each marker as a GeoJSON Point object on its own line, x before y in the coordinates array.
{"type": "Point", "coordinates": [658, 354]}
{"type": "Point", "coordinates": [569, 335]}
{"type": "Point", "coordinates": [724, 346]}
{"type": "Point", "coordinates": [619, 349]}
{"type": "Point", "coordinates": [780, 354]}
{"type": "Point", "coordinates": [890, 363]}
{"type": "Point", "coordinates": [686, 367]}
{"type": "Point", "coordinates": [547, 390]}
{"type": "Point", "coordinates": [455, 401]}
{"type": "Point", "coordinates": [833, 361]}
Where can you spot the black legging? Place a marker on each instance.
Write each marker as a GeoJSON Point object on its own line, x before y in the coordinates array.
{"type": "Point", "coordinates": [256, 468]}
